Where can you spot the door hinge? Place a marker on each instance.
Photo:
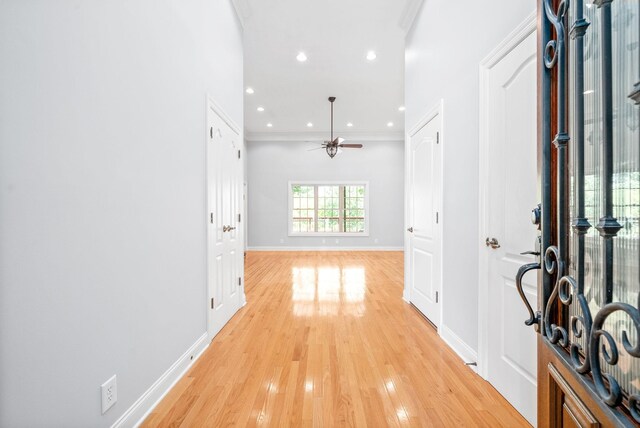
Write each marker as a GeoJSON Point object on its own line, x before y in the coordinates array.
{"type": "Point", "coordinates": [211, 132]}
{"type": "Point", "coordinates": [436, 297]}
{"type": "Point", "coordinates": [212, 303]}
{"type": "Point", "coordinates": [437, 138]}
{"type": "Point", "coordinates": [239, 217]}
{"type": "Point", "coordinates": [239, 282]}
{"type": "Point", "coordinates": [437, 217]}
{"type": "Point", "coordinates": [211, 218]}
{"type": "Point", "coordinates": [238, 154]}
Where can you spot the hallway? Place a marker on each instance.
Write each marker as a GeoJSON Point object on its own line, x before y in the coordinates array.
{"type": "Point", "coordinates": [326, 340]}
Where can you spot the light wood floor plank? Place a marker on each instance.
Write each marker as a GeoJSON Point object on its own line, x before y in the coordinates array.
{"type": "Point", "coordinates": [326, 340]}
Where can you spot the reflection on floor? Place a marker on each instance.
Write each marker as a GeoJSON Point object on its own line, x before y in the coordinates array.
{"type": "Point", "coordinates": [326, 340]}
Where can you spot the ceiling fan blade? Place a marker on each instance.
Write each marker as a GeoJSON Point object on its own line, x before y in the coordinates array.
{"type": "Point", "coordinates": [317, 148]}
{"type": "Point", "coordinates": [351, 146]}
{"type": "Point", "coordinates": [338, 141]}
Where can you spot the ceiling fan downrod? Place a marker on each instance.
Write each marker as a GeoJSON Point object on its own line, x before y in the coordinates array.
{"type": "Point", "coordinates": [331, 100]}
{"type": "Point", "coordinates": [332, 149]}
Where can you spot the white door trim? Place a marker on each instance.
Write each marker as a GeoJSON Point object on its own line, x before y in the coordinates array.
{"type": "Point", "coordinates": [223, 115]}
{"type": "Point", "coordinates": [217, 109]}
{"type": "Point", "coordinates": [437, 110]}
{"type": "Point", "coordinates": [517, 36]}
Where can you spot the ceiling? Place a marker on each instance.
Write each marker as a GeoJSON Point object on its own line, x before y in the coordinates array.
{"type": "Point", "coordinates": [336, 36]}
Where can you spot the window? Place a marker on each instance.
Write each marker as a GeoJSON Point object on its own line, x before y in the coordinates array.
{"type": "Point", "coordinates": [328, 208]}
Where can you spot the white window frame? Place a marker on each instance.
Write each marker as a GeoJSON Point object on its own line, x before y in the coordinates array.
{"type": "Point", "coordinates": [290, 185]}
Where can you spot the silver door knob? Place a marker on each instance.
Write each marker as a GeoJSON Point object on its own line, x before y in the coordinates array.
{"type": "Point", "coordinates": [228, 228]}
{"type": "Point", "coordinates": [493, 243]}
{"type": "Point", "coordinates": [410, 230]}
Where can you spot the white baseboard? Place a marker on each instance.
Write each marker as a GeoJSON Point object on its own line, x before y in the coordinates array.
{"type": "Point", "coordinates": [464, 351]}
{"type": "Point", "coordinates": [405, 295]}
{"type": "Point", "coordinates": [137, 413]}
{"type": "Point", "coordinates": [323, 248]}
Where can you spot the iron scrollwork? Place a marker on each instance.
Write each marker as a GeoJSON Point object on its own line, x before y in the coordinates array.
{"type": "Point", "coordinates": [612, 395]}
{"type": "Point", "coordinates": [585, 336]}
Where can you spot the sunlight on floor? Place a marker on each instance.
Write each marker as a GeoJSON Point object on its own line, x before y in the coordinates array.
{"type": "Point", "coordinates": [328, 291]}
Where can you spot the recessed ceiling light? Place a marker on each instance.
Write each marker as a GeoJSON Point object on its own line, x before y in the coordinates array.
{"type": "Point", "coordinates": [260, 109]}
{"type": "Point", "coordinates": [588, 91]}
{"type": "Point", "coordinates": [401, 108]}
{"type": "Point", "coordinates": [349, 124]}
{"type": "Point", "coordinates": [390, 124]}
{"type": "Point", "coordinates": [371, 55]}
{"type": "Point", "coordinates": [309, 125]}
{"type": "Point", "coordinates": [249, 90]}
{"type": "Point", "coordinates": [302, 57]}
{"type": "Point", "coordinates": [269, 125]}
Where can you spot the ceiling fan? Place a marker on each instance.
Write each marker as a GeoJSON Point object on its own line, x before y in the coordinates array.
{"type": "Point", "coordinates": [333, 146]}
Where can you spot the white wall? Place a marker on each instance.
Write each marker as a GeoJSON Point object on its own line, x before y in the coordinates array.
{"type": "Point", "coordinates": [102, 199]}
{"type": "Point", "coordinates": [443, 52]}
{"type": "Point", "coordinates": [271, 165]}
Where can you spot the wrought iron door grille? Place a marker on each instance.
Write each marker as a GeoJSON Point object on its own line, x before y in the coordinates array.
{"type": "Point", "coordinates": [591, 275]}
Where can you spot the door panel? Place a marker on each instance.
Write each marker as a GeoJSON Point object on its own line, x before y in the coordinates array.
{"type": "Point", "coordinates": [423, 268]}
{"type": "Point", "coordinates": [516, 351]}
{"type": "Point", "coordinates": [510, 195]}
{"type": "Point", "coordinates": [223, 167]}
{"type": "Point", "coordinates": [589, 133]}
{"type": "Point", "coordinates": [425, 238]}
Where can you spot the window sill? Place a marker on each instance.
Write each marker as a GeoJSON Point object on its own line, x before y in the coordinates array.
{"type": "Point", "coordinates": [325, 234]}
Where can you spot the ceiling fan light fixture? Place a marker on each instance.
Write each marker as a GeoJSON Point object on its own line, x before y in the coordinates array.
{"type": "Point", "coordinates": [332, 151]}
{"type": "Point", "coordinates": [302, 57]}
{"type": "Point", "coordinates": [371, 55]}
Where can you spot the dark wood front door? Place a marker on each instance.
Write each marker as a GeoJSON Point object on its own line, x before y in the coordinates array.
{"type": "Point", "coordinates": [588, 316]}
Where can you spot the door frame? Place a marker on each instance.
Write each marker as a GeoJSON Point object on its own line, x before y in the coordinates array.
{"type": "Point", "coordinates": [436, 110]}
{"type": "Point", "coordinates": [211, 104]}
{"type": "Point", "coordinates": [517, 36]}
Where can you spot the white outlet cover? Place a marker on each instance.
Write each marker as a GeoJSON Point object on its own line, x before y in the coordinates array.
{"type": "Point", "coordinates": [109, 391]}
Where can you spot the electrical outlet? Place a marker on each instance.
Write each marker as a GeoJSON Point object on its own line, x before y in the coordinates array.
{"type": "Point", "coordinates": [337, 241]}
{"type": "Point", "coordinates": [324, 241]}
{"type": "Point", "coordinates": [282, 241]}
{"type": "Point", "coordinates": [375, 241]}
{"type": "Point", "coordinates": [109, 393]}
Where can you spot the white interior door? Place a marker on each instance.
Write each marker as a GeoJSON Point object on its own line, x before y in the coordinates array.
{"type": "Point", "coordinates": [224, 245]}
{"type": "Point", "coordinates": [510, 195]}
{"type": "Point", "coordinates": [424, 226]}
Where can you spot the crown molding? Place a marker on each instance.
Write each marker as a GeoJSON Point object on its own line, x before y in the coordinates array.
{"type": "Point", "coordinates": [409, 13]}
{"type": "Point", "coordinates": [396, 136]}
{"type": "Point", "coordinates": [243, 10]}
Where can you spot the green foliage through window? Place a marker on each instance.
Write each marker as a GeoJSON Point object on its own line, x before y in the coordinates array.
{"type": "Point", "coordinates": [323, 208]}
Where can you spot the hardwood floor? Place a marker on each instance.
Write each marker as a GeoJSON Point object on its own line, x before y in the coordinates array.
{"type": "Point", "coordinates": [326, 340]}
